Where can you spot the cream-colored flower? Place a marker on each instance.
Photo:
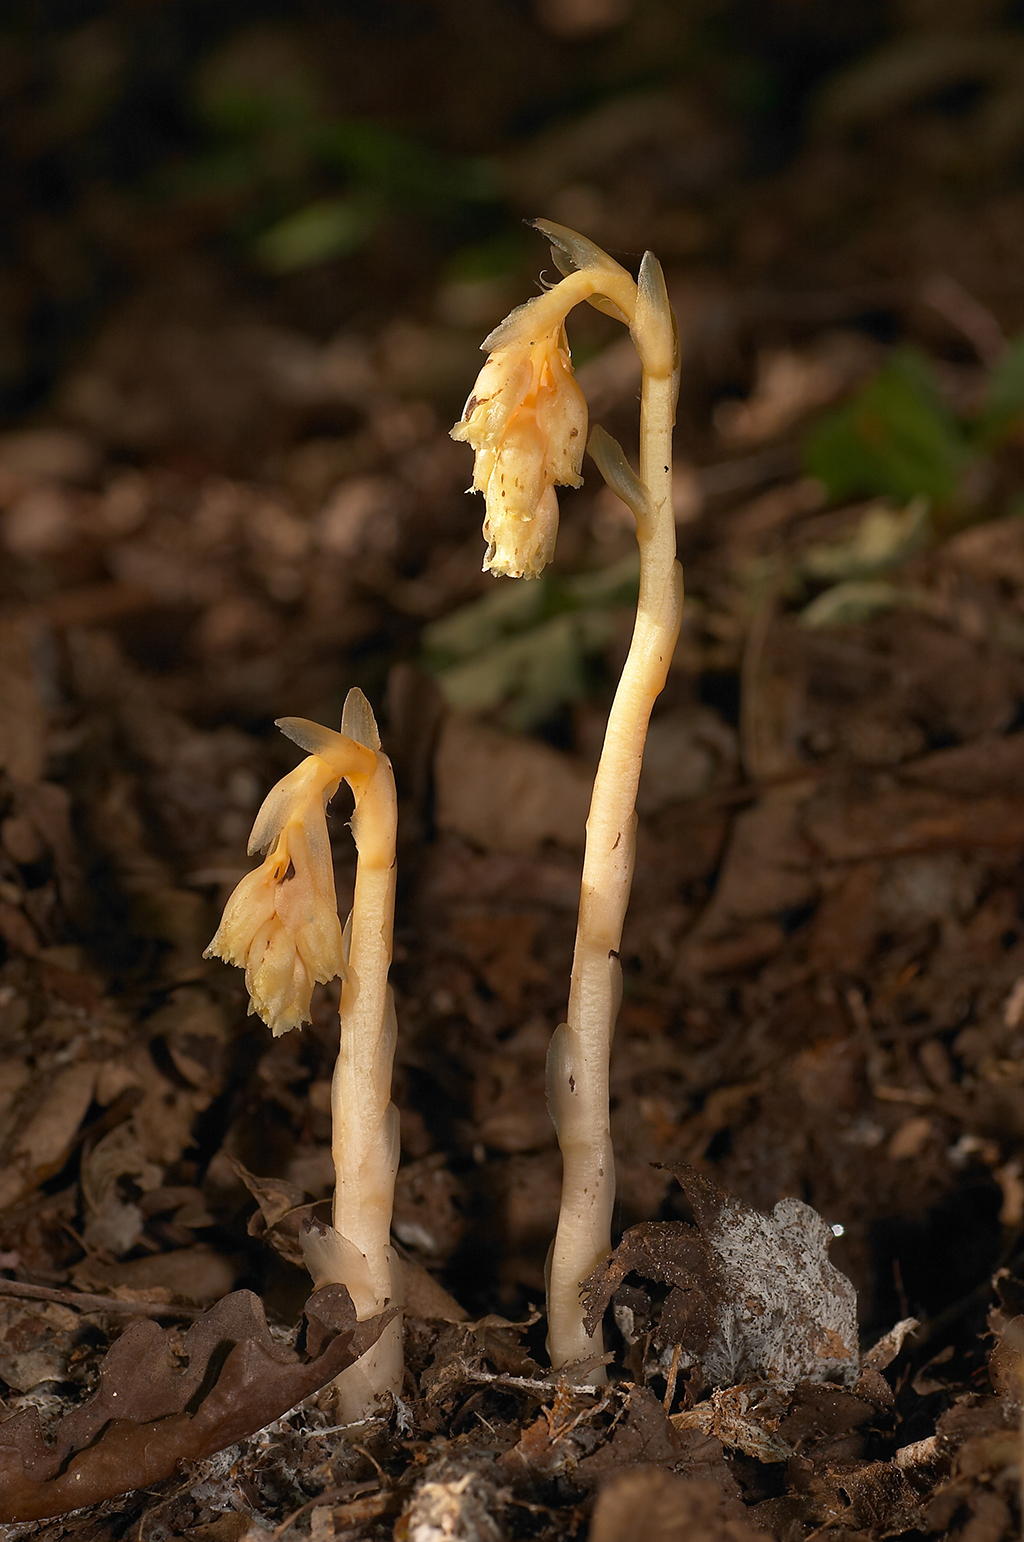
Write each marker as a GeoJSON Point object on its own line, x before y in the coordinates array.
{"type": "Point", "coordinates": [527, 421]}
{"type": "Point", "coordinates": [281, 923]}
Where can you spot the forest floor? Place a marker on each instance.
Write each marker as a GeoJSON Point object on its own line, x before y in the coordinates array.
{"type": "Point", "coordinates": [220, 520]}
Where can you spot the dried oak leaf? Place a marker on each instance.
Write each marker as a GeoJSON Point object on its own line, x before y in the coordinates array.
{"type": "Point", "coordinates": [753, 1297]}
{"type": "Point", "coordinates": [151, 1412]}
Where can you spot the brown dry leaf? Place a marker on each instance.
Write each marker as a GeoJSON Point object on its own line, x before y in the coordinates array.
{"type": "Point", "coordinates": [500, 948]}
{"type": "Point", "coordinates": [846, 924]}
{"type": "Point", "coordinates": [425, 1297]}
{"type": "Point", "coordinates": [992, 763]}
{"type": "Point", "coordinates": [17, 930]}
{"type": "Point", "coordinates": [198, 1274]}
{"type": "Point", "coordinates": [282, 1209]}
{"type": "Point", "coordinates": [506, 793]}
{"type": "Point", "coordinates": [48, 1128]}
{"type": "Point", "coordinates": [992, 552]}
{"type": "Point", "coordinates": [22, 715]}
{"type": "Point", "coordinates": [790, 383]}
{"type": "Point", "coordinates": [57, 454]}
{"type": "Point", "coordinates": [36, 1339]}
{"type": "Point", "coordinates": [856, 823]}
{"type": "Point", "coordinates": [824, 1422]}
{"type": "Point", "coordinates": [427, 1217]}
{"type": "Point", "coordinates": [768, 867]}
{"type": "Point", "coordinates": [41, 823]}
{"type": "Point", "coordinates": [149, 1414]}
{"type": "Point", "coordinates": [645, 1435]}
{"type": "Point", "coordinates": [660, 1506]}
{"type": "Point", "coordinates": [879, 1498]}
{"type": "Point", "coordinates": [509, 1109]}
{"type": "Point", "coordinates": [743, 1418]}
{"type": "Point", "coordinates": [114, 1223]}
{"type": "Point", "coordinates": [673, 1254]}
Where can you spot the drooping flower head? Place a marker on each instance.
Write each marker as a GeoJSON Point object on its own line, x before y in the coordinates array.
{"type": "Point", "coordinates": [281, 923]}
{"type": "Point", "coordinates": [527, 421]}
{"type": "Point", "coordinates": [526, 417]}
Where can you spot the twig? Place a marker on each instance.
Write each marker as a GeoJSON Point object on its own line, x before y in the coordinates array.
{"type": "Point", "coordinates": [537, 1385]}
{"type": "Point", "coordinates": [670, 1380]}
{"type": "Point", "coordinates": [329, 1496]}
{"type": "Point", "coordinates": [90, 1303]}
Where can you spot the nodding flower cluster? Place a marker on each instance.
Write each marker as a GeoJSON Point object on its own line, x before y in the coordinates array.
{"type": "Point", "coordinates": [527, 421]}
{"type": "Point", "coordinates": [281, 923]}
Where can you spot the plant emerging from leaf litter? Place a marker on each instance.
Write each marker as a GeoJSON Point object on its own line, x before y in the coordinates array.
{"type": "Point", "coordinates": [526, 421]}
{"type": "Point", "coordinates": [281, 925]}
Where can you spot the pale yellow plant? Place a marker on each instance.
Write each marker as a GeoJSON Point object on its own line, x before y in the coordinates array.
{"type": "Point", "coordinates": [578, 1058]}
{"type": "Point", "coordinates": [281, 925]}
{"type": "Point", "coordinates": [526, 418]}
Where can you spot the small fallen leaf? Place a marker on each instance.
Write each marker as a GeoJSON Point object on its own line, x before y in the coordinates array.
{"type": "Point", "coordinates": [151, 1412]}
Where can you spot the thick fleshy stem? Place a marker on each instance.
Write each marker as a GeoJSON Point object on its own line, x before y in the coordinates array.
{"type": "Point", "coordinates": [281, 925]}
{"type": "Point", "coordinates": [356, 1251]}
{"type": "Point", "coordinates": [526, 445]}
{"type": "Point", "coordinates": [578, 1059]}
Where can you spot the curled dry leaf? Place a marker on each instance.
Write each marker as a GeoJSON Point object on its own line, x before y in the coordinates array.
{"type": "Point", "coordinates": [282, 1209]}
{"type": "Point", "coordinates": [752, 1298]}
{"type": "Point", "coordinates": [151, 1412]}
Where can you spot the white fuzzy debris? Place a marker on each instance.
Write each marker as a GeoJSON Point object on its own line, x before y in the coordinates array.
{"type": "Point", "coordinates": [788, 1313]}
{"type": "Point", "coordinates": [453, 1504]}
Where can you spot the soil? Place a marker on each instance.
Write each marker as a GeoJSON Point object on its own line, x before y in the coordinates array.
{"type": "Point", "coordinates": [222, 502]}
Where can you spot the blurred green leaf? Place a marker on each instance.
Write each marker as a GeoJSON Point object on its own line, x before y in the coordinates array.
{"type": "Point", "coordinates": [846, 604]}
{"type": "Point", "coordinates": [1003, 411]}
{"type": "Point", "coordinates": [510, 608]}
{"type": "Point", "coordinates": [897, 437]}
{"type": "Point", "coordinates": [328, 227]}
{"type": "Point", "coordinates": [534, 673]}
{"type": "Point", "coordinates": [398, 165]}
{"type": "Point", "coordinates": [882, 539]}
{"type": "Point", "coordinates": [308, 183]}
{"type": "Point", "coordinates": [257, 82]}
{"type": "Point", "coordinates": [524, 648]}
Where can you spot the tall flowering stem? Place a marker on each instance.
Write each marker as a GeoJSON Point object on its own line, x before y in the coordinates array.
{"type": "Point", "coordinates": [578, 1057]}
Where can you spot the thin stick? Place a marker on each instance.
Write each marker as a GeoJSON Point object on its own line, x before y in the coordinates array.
{"type": "Point", "coordinates": [88, 1303]}
{"type": "Point", "coordinates": [671, 1378]}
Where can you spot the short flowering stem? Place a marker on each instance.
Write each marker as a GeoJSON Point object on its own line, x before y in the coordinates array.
{"type": "Point", "coordinates": [356, 1250]}
{"type": "Point", "coordinates": [366, 1141]}
{"type": "Point", "coordinates": [281, 925]}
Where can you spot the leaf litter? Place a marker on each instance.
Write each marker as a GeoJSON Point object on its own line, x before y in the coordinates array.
{"type": "Point", "coordinates": [821, 1026]}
